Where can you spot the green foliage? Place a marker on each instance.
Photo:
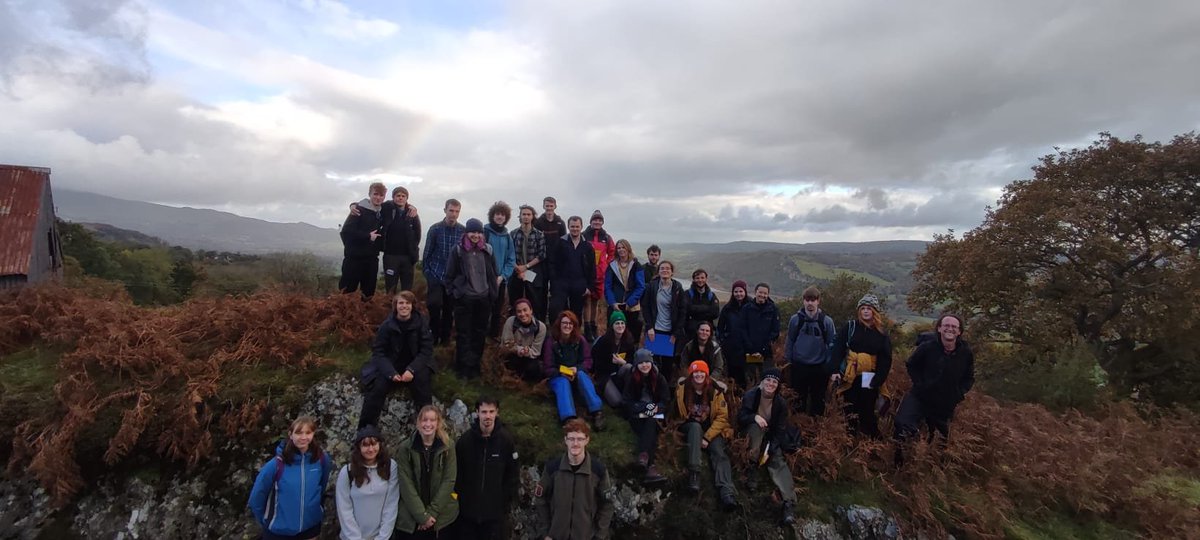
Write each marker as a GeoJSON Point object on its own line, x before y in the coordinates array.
{"type": "Point", "coordinates": [1065, 378]}
{"type": "Point", "coordinates": [93, 256]}
{"type": "Point", "coordinates": [155, 274]}
{"type": "Point", "coordinates": [1064, 526]}
{"type": "Point", "coordinates": [840, 296]}
{"type": "Point", "coordinates": [1174, 485]}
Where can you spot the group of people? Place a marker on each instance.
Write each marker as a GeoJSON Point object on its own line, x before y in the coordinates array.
{"type": "Point", "coordinates": [667, 351]}
{"type": "Point", "coordinates": [428, 487]}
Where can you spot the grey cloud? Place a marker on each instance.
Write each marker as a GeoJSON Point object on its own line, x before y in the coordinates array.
{"type": "Point", "coordinates": [877, 199]}
{"type": "Point", "coordinates": [948, 210]}
{"type": "Point", "coordinates": [864, 94]}
{"type": "Point", "coordinates": [650, 105]}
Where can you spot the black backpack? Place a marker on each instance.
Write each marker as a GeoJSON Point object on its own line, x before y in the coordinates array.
{"type": "Point", "coordinates": [803, 320]}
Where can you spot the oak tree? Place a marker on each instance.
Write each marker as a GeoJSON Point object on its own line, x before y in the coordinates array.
{"type": "Point", "coordinates": [1100, 246]}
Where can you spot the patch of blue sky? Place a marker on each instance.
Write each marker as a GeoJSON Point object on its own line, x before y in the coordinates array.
{"type": "Point", "coordinates": [791, 189]}
{"type": "Point", "coordinates": [449, 14]}
{"type": "Point", "coordinates": [202, 83]}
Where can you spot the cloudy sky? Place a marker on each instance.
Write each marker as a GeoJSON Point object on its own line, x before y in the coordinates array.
{"type": "Point", "coordinates": [682, 120]}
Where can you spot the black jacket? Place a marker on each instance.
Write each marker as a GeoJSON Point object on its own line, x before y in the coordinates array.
{"type": "Point", "coordinates": [401, 234]}
{"type": "Point", "coordinates": [488, 474]}
{"type": "Point", "coordinates": [749, 409]}
{"type": "Point", "coordinates": [403, 345]}
{"type": "Point", "coordinates": [702, 307]}
{"type": "Point", "coordinates": [864, 339]}
{"type": "Point", "coordinates": [679, 306]}
{"type": "Point", "coordinates": [572, 268]}
{"type": "Point", "coordinates": [634, 402]}
{"type": "Point", "coordinates": [459, 270]}
{"type": "Point", "coordinates": [759, 327]}
{"type": "Point", "coordinates": [729, 332]}
{"type": "Point", "coordinates": [603, 351]}
{"type": "Point", "coordinates": [356, 234]}
{"type": "Point", "coordinates": [941, 380]}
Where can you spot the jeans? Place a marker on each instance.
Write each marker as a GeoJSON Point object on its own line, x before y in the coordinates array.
{"type": "Point", "coordinates": [421, 388]}
{"type": "Point", "coordinates": [645, 431]}
{"type": "Point", "coordinates": [359, 272]}
{"type": "Point", "coordinates": [809, 382]}
{"type": "Point", "coordinates": [397, 268]}
{"type": "Point", "coordinates": [718, 457]}
{"type": "Point", "coordinates": [860, 409]}
{"type": "Point", "coordinates": [777, 468]}
{"type": "Point", "coordinates": [441, 312]}
{"type": "Point", "coordinates": [471, 318]}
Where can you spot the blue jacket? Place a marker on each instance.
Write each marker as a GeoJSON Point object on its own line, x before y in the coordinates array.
{"type": "Point", "coordinates": [629, 293]}
{"type": "Point", "coordinates": [502, 249]}
{"type": "Point", "coordinates": [297, 493]}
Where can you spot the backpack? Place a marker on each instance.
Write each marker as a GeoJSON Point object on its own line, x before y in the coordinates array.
{"type": "Point", "coordinates": [794, 333]}
{"type": "Point", "coordinates": [820, 322]}
{"type": "Point", "coordinates": [925, 337]}
{"type": "Point", "coordinates": [709, 296]}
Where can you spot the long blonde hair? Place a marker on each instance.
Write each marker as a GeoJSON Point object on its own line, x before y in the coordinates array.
{"type": "Point", "coordinates": [441, 432]}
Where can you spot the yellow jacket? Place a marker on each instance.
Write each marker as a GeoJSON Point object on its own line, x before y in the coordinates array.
{"type": "Point", "coordinates": [718, 414]}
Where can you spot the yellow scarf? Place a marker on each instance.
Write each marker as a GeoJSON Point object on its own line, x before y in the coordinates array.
{"type": "Point", "coordinates": [858, 363]}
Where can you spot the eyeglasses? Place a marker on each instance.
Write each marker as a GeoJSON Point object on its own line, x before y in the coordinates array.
{"type": "Point", "coordinates": [577, 439]}
{"type": "Point", "coordinates": [566, 323]}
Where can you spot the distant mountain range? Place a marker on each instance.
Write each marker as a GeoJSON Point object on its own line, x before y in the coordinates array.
{"type": "Point", "coordinates": [197, 228]}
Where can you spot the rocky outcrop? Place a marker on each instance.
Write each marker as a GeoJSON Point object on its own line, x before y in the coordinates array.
{"type": "Point", "coordinates": [210, 502]}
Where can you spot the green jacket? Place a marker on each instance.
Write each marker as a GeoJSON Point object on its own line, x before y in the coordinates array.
{"type": "Point", "coordinates": [574, 505]}
{"type": "Point", "coordinates": [443, 504]}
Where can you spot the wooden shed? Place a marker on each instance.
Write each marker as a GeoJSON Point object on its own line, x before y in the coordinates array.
{"type": "Point", "coordinates": [30, 249]}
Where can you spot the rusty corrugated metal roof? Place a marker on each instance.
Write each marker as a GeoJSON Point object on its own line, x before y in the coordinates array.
{"type": "Point", "coordinates": [20, 201]}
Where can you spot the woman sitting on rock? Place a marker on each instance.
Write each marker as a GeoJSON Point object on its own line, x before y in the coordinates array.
{"type": "Point", "coordinates": [566, 360]}
{"type": "Point", "coordinates": [646, 395]}
{"type": "Point", "coordinates": [700, 402]}
{"type": "Point", "coordinates": [368, 489]}
{"type": "Point", "coordinates": [611, 353]}
{"type": "Point", "coordinates": [286, 497]}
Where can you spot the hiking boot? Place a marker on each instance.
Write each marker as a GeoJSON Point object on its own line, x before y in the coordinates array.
{"type": "Point", "coordinates": [728, 503]}
{"type": "Point", "coordinates": [789, 513]}
{"type": "Point", "coordinates": [643, 462]}
{"type": "Point", "coordinates": [598, 420]}
{"type": "Point", "coordinates": [752, 480]}
{"type": "Point", "coordinates": [693, 482]}
{"type": "Point", "coordinates": [653, 477]}
{"type": "Point", "coordinates": [589, 331]}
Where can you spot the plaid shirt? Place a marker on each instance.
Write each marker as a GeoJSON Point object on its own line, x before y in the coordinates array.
{"type": "Point", "coordinates": [535, 244]}
{"type": "Point", "coordinates": [439, 243]}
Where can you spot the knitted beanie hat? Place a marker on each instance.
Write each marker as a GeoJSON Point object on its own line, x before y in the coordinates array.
{"type": "Point", "coordinates": [869, 300]}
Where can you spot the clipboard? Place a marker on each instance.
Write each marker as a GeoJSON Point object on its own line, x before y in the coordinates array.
{"type": "Point", "coordinates": [661, 344]}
